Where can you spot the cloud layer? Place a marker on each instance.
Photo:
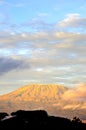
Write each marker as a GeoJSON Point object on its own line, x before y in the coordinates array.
{"type": "Point", "coordinates": [55, 54]}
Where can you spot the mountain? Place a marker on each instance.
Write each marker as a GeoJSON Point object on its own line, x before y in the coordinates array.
{"type": "Point", "coordinates": [31, 97]}
{"type": "Point", "coordinates": [38, 96]}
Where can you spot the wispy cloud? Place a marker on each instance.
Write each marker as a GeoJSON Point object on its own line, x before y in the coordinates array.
{"type": "Point", "coordinates": [71, 23]}
{"type": "Point", "coordinates": [11, 4]}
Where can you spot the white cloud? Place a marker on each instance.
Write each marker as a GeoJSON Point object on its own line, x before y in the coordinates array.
{"type": "Point", "coordinates": [73, 20]}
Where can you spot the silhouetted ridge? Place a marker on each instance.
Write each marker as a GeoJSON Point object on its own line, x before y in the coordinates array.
{"type": "Point", "coordinates": [30, 114]}
{"type": "Point", "coordinates": [3, 115]}
{"type": "Point", "coordinates": [39, 120]}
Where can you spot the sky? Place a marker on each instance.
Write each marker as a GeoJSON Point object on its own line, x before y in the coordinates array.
{"type": "Point", "coordinates": [43, 42]}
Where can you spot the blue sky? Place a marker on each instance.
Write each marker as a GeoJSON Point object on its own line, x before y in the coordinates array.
{"type": "Point", "coordinates": [42, 42]}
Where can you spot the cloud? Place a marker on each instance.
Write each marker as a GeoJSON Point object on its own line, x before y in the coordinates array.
{"type": "Point", "coordinates": [9, 64]}
{"type": "Point", "coordinates": [73, 20]}
{"type": "Point", "coordinates": [76, 94]}
{"type": "Point", "coordinates": [60, 55]}
{"type": "Point", "coordinates": [72, 102]}
{"type": "Point", "coordinates": [44, 39]}
{"type": "Point", "coordinates": [55, 56]}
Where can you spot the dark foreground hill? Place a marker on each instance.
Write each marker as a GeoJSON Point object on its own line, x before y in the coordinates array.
{"type": "Point", "coordinates": [39, 120]}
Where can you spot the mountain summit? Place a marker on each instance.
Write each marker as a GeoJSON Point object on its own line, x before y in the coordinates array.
{"type": "Point", "coordinates": [38, 92]}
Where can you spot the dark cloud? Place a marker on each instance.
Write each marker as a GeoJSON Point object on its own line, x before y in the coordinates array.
{"type": "Point", "coordinates": [9, 64]}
